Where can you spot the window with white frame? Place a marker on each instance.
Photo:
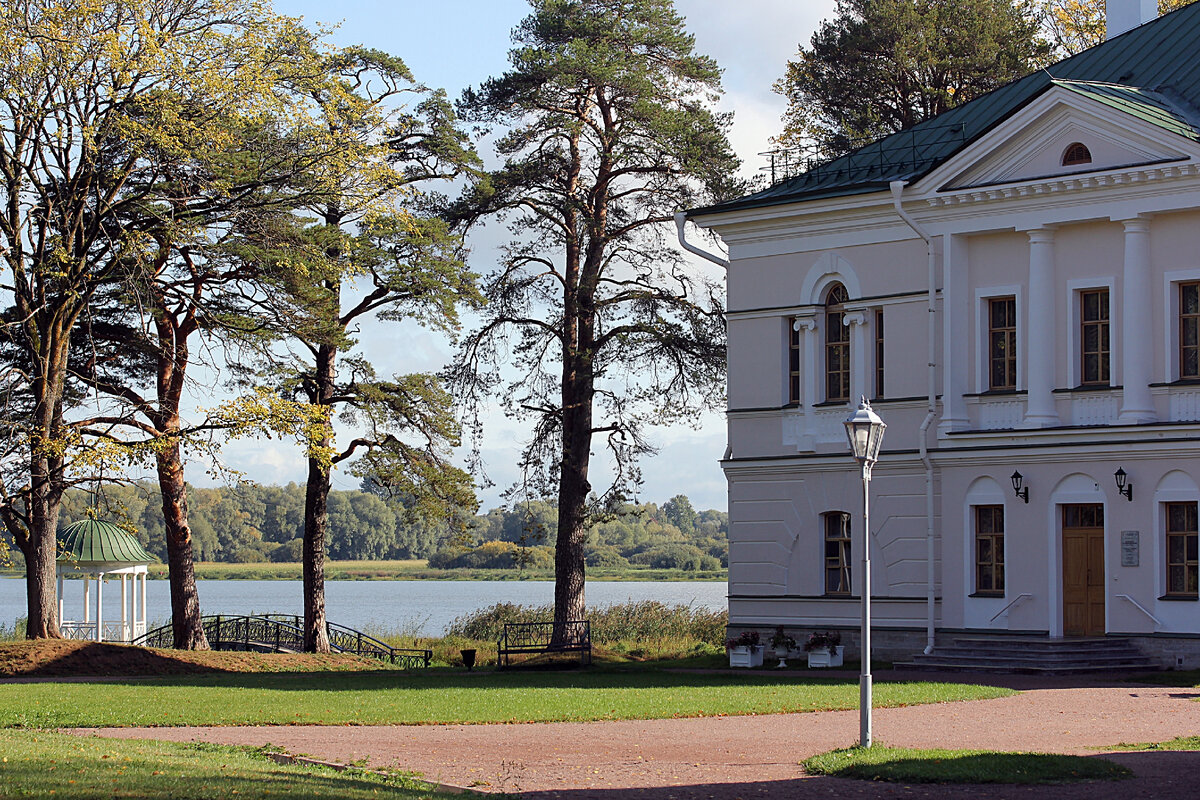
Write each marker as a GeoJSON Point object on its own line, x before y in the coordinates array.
{"type": "Point", "coordinates": [1094, 337]}
{"type": "Point", "coordinates": [1002, 343]}
{"type": "Point", "coordinates": [1189, 330]}
{"type": "Point", "coordinates": [793, 361]}
{"type": "Point", "coordinates": [837, 552]}
{"type": "Point", "coordinates": [1182, 574]}
{"type": "Point", "coordinates": [837, 346]}
{"type": "Point", "coordinates": [989, 550]}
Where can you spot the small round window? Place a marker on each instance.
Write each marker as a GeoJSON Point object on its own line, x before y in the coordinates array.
{"type": "Point", "coordinates": [1076, 153]}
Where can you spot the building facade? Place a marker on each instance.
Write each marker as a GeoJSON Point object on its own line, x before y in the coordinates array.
{"type": "Point", "coordinates": [1015, 286]}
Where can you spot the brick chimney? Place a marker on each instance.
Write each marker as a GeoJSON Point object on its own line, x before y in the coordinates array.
{"type": "Point", "coordinates": [1125, 15]}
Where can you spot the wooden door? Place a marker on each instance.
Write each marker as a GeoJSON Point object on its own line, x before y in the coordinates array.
{"type": "Point", "coordinates": [1083, 569]}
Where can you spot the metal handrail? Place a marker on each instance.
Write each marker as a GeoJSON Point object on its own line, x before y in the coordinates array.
{"type": "Point", "coordinates": [285, 633]}
{"type": "Point", "coordinates": [1141, 608]}
{"type": "Point", "coordinates": [1007, 608]}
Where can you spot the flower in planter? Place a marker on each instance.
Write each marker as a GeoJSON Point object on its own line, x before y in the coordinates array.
{"type": "Point", "coordinates": [827, 640]}
{"type": "Point", "coordinates": [781, 641]}
{"type": "Point", "coordinates": [747, 639]}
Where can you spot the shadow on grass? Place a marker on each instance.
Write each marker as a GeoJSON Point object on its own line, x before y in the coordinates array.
{"type": "Point", "coordinates": [531, 679]}
{"type": "Point", "coordinates": [1158, 775]}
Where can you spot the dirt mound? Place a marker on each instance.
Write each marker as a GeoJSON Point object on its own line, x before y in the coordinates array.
{"type": "Point", "coordinates": [61, 658]}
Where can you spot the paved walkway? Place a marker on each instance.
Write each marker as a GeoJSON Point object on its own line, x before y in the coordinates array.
{"type": "Point", "coordinates": [739, 758]}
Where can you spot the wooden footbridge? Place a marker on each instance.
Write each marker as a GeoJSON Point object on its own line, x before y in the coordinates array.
{"type": "Point", "coordinates": [284, 633]}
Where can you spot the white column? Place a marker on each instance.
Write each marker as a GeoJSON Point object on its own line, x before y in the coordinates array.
{"type": "Point", "coordinates": [1041, 343]}
{"type": "Point", "coordinates": [956, 334]}
{"type": "Point", "coordinates": [809, 360]}
{"type": "Point", "coordinates": [145, 577]}
{"type": "Point", "coordinates": [125, 630]}
{"type": "Point", "coordinates": [87, 598]}
{"type": "Point", "coordinates": [60, 599]}
{"type": "Point", "coordinates": [860, 386]}
{"type": "Point", "coordinates": [100, 607]}
{"type": "Point", "coordinates": [1137, 327]}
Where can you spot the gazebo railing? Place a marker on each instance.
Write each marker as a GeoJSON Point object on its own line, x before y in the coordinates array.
{"type": "Point", "coordinates": [114, 630]}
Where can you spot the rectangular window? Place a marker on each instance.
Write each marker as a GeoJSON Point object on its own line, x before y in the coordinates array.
{"type": "Point", "coordinates": [793, 362]}
{"type": "Point", "coordinates": [1002, 343]}
{"type": "Point", "coordinates": [837, 358]}
{"type": "Point", "coordinates": [837, 552]}
{"type": "Point", "coordinates": [1189, 330]}
{"type": "Point", "coordinates": [989, 550]}
{"type": "Point", "coordinates": [879, 353]}
{"type": "Point", "coordinates": [1094, 337]}
{"type": "Point", "coordinates": [1181, 550]}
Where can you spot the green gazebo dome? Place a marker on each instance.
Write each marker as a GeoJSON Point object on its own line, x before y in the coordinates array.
{"type": "Point", "coordinates": [93, 541]}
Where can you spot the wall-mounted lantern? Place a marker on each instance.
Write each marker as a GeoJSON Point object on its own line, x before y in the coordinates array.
{"type": "Point", "coordinates": [1019, 487]}
{"type": "Point", "coordinates": [1124, 487]}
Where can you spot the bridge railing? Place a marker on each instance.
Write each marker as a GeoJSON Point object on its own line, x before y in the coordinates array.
{"type": "Point", "coordinates": [285, 633]}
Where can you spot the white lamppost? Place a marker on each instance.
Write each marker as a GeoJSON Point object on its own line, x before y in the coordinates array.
{"type": "Point", "coordinates": [865, 431]}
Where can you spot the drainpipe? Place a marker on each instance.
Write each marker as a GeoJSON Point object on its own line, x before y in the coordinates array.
{"type": "Point", "coordinates": [897, 188]}
{"type": "Point", "coordinates": [680, 221]}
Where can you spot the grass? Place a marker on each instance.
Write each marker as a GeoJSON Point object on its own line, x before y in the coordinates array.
{"type": "Point", "coordinates": [381, 698]}
{"type": "Point", "coordinates": [1181, 743]}
{"type": "Point", "coordinates": [901, 765]}
{"type": "Point", "coordinates": [43, 764]}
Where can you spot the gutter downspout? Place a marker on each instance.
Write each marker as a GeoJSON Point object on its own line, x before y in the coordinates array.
{"type": "Point", "coordinates": [897, 188]}
{"type": "Point", "coordinates": [680, 221]}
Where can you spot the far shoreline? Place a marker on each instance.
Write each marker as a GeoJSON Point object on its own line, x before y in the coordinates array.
{"type": "Point", "coordinates": [412, 570]}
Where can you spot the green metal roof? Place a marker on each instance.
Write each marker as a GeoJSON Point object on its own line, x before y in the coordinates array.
{"type": "Point", "coordinates": [92, 541]}
{"type": "Point", "coordinates": [1147, 105]}
{"type": "Point", "coordinates": [1152, 72]}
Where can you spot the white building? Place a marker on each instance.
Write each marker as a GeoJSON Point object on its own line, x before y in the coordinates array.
{"type": "Point", "coordinates": [1015, 285]}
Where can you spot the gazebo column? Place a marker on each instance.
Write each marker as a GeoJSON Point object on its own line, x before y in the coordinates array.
{"type": "Point", "coordinates": [87, 598]}
{"type": "Point", "coordinates": [100, 607]}
{"type": "Point", "coordinates": [125, 637]}
{"type": "Point", "coordinates": [145, 577]}
{"type": "Point", "coordinates": [60, 599]}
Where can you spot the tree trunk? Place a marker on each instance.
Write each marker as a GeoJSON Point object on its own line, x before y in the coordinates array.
{"type": "Point", "coordinates": [41, 551]}
{"type": "Point", "coordinates": [573, 489]}
{"type": "Point", "coordinates": [187, 628]}
{"type": "Point", "coordinates": [316, 515]}
{"type": "Point", "coordinates": [46, 486]}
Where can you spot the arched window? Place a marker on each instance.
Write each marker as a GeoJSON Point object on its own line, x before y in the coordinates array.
{"type": "Point", "coordinates": [837, 346]}
{"type": "Point", "coordinates": [1076, 153]}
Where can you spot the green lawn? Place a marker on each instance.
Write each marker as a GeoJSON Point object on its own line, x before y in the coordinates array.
{"type": "Point", "coordinates": [1181, 743]}
{"type": "Point", "coordinates": [901, 765]}
{"type": "Point", "coordinates": [404, 698]}
{"type": "Point", "coordinates": [44, 764]}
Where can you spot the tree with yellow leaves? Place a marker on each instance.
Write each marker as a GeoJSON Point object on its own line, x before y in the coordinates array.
{"type": "Point", "coordinates": [1075, 25]}
{"type": "Point", "coordinates": [97, 99]}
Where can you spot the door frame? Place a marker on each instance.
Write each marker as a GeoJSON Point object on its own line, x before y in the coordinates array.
{"type": "Point", "coordinates": [1077, 488]}
{"type": "Point", "coordinates": [1093, 533]}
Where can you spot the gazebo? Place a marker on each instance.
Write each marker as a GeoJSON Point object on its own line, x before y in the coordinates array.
{"type": "Point", "coordinates": [100, 550]}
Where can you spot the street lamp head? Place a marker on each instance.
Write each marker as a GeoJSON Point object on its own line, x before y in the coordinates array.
{"type": "Point", "coordinates": [865, 432]}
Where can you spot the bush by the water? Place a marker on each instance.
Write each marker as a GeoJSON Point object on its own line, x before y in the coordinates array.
{"type": "Point", "coordinates": [639, 629]}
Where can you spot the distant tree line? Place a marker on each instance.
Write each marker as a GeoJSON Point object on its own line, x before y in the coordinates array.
{"type": "Point", "coordinates": [253, 523]}
{"type": "Point", "coordinates": [671, 536]}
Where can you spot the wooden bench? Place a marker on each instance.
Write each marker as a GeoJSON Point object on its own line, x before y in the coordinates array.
{"type": "Point", "coordinates": [545, 638]}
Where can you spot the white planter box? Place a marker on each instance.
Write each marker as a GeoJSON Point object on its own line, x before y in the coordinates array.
{"type": "Point", "coordinates": [746, 656]}
{"type": "Point", "coordinates": [823, 657]}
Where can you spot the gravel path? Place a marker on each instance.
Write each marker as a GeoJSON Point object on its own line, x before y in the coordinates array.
{"type": "Point", "coordinates": [739, 758]}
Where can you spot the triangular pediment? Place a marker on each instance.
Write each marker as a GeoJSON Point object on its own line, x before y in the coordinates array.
{"type": "Point", "coordinates": [1119, 130]}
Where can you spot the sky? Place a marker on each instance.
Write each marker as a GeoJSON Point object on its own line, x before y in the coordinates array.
{"type": "Point", "coordinates": [453, 44]}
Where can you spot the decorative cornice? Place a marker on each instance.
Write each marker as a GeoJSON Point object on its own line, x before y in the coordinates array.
{"type": "Point", "coordinates": [1066, 184]}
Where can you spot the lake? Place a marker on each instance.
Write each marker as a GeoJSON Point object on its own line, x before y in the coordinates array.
{"type": "Point", "coordinates": [423, 608]}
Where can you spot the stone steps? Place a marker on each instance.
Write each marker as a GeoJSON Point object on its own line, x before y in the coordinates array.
{"type": "Point", "coordinates": [1032, 655]}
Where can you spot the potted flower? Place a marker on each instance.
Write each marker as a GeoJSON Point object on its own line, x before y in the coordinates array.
{"type": "Point", "coordinates": [824, 649]}
{"type": "Point", "coordinates": [782, 644]}
{"type": "Point", "coordinates": [745, 650]}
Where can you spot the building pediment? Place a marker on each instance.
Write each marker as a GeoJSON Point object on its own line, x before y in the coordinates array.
{"type": "Point", "coordinates": [1117, 126]}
